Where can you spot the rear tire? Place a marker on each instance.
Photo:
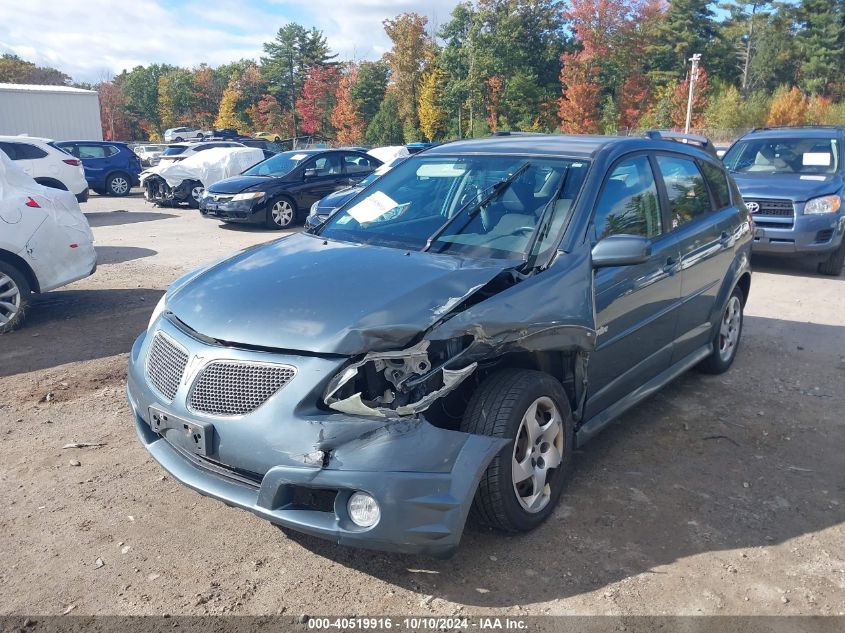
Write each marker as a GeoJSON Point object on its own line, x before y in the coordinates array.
{"type": "Point", "coordinates": [522, 484]}
{"type": "Point", "coordinates": [14, 297]}
{"type": "Point", "coordinates": [118, 184]}
{"type": "Point", "coordinates": [834, 263]}
{"type": "Point", "coordinates": [727, 337]}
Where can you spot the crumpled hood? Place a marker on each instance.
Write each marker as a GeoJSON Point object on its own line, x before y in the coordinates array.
{"type": "Point", "coordinates": [794, 187]}
{"type": "Point", "coordinates": [307, 294]}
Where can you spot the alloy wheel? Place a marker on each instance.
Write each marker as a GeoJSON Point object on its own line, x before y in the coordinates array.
{"type": "Point", "coordinates": [537, 450]}
{"type": "Point", "coordinates": [729, 328]}
{"type": "Point", "coordinates": [282, 213]}
{"type": "Point", "coordinates": [196, 193]}
{"type": "Point", "coordinates": [119, 185]}
{"type": "Point", "coordinates": [10, 299]}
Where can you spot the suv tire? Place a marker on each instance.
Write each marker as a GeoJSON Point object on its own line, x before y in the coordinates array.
{"type": "Point", "coordinates": [539, 447]}
{"type": "Point", "coordinates": [118, 184]}
{"type": "Point", "coordinates": [727, 336]}
{"type": "Point", "coordinates": [834, 263]}
{"type": "Point", "coordinates": [15, 292]}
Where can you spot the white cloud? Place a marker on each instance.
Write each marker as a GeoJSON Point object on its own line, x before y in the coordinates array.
{"type": "Point", "coordinates": [97, 38]}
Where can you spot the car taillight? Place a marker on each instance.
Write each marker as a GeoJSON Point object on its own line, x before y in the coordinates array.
{"type": "Point", "coordinates": [72, 161]}
{"type": "Point", "coordinates": [32, 203]}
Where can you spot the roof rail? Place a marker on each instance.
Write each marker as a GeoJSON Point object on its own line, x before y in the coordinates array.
{"type": "Point", "coordinates": [811, 126]}
{"type": "Point", "coordinates": [688, 139]}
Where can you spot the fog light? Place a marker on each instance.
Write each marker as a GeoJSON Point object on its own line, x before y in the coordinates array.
{"type": "Point", "coordinates": [363, 510]}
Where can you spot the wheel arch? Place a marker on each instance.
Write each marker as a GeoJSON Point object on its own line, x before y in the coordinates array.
{"type": "Point", "coordinates": [21, 264]}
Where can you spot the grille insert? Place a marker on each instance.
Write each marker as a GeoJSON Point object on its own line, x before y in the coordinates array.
{"type": "Point", "coordinates": [236, 388]}
{"type": "Point", "coordinates": [165, 365]}
{"type": "Point", "coordinates": [772, 207]}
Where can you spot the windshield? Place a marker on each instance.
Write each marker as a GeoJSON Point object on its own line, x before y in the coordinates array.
{"type": "Point", "coordinates": [277, 166]}
{"type": "Point", "coordinates": [173, 150]}
{"type": "Point", "coordinates": [412, 203]}
{"type": "Point", "coordinates": [784, 156]}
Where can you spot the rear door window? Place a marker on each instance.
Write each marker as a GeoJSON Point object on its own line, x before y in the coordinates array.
{"type": "Point", "coordinates": [717, 179]}
{"type": "Point", "coordinates": [326, 165]}
{"type": "Point", "coordinates": [628, 204]}
{"type": "Point", "coordinates": [357, 164]}
{"type": "Point", "coordinates": [22, 151]}
{"type": "Point", "coordinates": [95, 151]}
{"type": "Point", "coordinates": [685, 188]}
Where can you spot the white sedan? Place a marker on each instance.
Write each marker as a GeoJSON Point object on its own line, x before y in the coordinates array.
{"type": "Point", "coordinates": [45, 241]}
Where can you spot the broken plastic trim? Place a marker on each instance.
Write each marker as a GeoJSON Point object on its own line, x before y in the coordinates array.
{"type": "Point", "coordinates": [355, 403]}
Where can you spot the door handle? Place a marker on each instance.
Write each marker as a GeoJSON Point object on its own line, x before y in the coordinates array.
{"type": "Point", "coordinates": [725, 238]}
{"type": "Point", "coordinates": [671, 266]}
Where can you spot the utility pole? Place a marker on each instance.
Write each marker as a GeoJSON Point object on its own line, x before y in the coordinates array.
{"type": "Point", "coordinates": [695, 59]}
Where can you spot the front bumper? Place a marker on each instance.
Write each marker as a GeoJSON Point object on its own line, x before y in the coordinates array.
{"type": "Point", "coordinates": [423, 477]}
{"type": "Point", "coordinates": [245, 211]}
{"type": "Point", "coordinates": [807, 235]}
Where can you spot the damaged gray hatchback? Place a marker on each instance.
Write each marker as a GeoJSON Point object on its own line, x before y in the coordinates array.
{"type": "Point", "coordinates": [445, 340]}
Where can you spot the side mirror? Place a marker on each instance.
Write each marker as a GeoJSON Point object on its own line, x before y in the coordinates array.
{"type": "Point", "coordinates": [621, 250]}
{"type": "Point", "coordinates": [309, 173]}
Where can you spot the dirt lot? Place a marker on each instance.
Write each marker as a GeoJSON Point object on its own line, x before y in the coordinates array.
{"type": "Point", "coordinates": [720, 495]}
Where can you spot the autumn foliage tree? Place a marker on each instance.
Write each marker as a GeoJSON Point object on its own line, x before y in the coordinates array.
{"type": "Point", "coordinates": [316, 101]}
{"type": "Point", "coordinates": [348, 124]}
{"type": "Point", "coordinates": [788, 108]}
{"type": "Point", "coordinates": [227, 115]}
{"type": "Point", "coordinates": [578, 108]}
{"type": "Point", "coordinates": [495, 85]}
{"type": "Point", "coordinates": [432, 115]}
{"type": "Point", "coordinates": [701, 97]}
{"type": "Point", "coordinates": [113, 115]}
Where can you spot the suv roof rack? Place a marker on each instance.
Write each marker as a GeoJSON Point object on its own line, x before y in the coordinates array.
{"type": "Point", "coordinates": [688, 139]}
{"type": "Point", "coordinates": [808, 126]}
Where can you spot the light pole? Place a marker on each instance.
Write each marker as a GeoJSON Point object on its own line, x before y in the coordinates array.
{"type": "Point", "coordinates": [695, 59]}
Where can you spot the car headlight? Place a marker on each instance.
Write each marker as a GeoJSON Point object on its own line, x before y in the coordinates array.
{"type": "Point", "coordinates": [313, 210]}
{"type": "Point", "coordinates": [400, 383]}
{"type": "Point", "coordinates": [250, 195]}
{"type": "Point", "coordinates": [825, 204]}
{"type": "Point", "coordinates": [160, 306]}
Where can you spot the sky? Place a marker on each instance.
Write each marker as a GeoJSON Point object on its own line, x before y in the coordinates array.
{"type": "Point", "coordinates": [93, 40]}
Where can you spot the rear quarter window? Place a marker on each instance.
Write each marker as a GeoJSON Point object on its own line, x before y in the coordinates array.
{"type": "Point", "coordinates": [25, 151]}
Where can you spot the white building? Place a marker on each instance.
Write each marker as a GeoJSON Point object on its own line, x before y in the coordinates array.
{"type": "Point", "coordinates": [60, 113]}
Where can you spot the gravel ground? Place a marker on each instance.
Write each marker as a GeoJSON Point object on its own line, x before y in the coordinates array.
{"type": "Point", "coordinates": [719, 495]}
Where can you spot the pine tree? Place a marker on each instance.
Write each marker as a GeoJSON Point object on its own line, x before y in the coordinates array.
{"type": "Point", "coordinates": [386, 126]}
{"type": "Point", "coordinates": [821, 40]}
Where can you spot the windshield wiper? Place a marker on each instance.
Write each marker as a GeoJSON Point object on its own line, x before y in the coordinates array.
{"type": "Point", "coordinates": [496, 190]}
{"type": "Point", "coordinates": [545, 219]}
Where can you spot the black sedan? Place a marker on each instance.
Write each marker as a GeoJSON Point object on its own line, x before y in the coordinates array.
{"type": "Point", "coordinates": [280, 190]}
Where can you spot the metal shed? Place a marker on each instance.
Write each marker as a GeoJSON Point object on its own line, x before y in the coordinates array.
{"type": "Point", "coordinates": [57, 112]}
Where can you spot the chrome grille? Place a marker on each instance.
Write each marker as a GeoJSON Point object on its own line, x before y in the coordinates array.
{"type": "Point", "coordinates": [236, 388]}
{"type": "Point", "coordinates": [772, 207]}
{"type": "Point", "coordinates": [165, 365]}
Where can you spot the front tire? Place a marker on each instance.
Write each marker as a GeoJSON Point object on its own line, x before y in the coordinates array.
{"type": "Point", "coordinates": [522, 485]}
{"type": "Point", "coordinates": [281, 213]}
{"type": "Point", "coordinates": [727, 336]}
{"type": "Point", "coordinates": [834, 263]}
{"type": "Point", "coordinates": [14, 297]}
{"type": "Point", "coordinates": [118, 185]}
{"type": "Point", "coordinates": [194, 194]}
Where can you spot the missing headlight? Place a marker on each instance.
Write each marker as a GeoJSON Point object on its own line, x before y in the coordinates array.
{"type": "Point", "coordinates": [399, 383]}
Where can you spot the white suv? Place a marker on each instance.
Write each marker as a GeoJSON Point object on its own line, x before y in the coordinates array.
{"type": "Point", "coordinates": [179, 134]}
{"type": "Point", "coordinates": [45, 241]}
{"type": "Point", "coordinates": [181, 151]}
{"type": "Point", "coordinates": [48, 165]}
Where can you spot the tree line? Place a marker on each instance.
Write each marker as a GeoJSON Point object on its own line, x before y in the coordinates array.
{"type": "Point", "coordinates": [577, 66]}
